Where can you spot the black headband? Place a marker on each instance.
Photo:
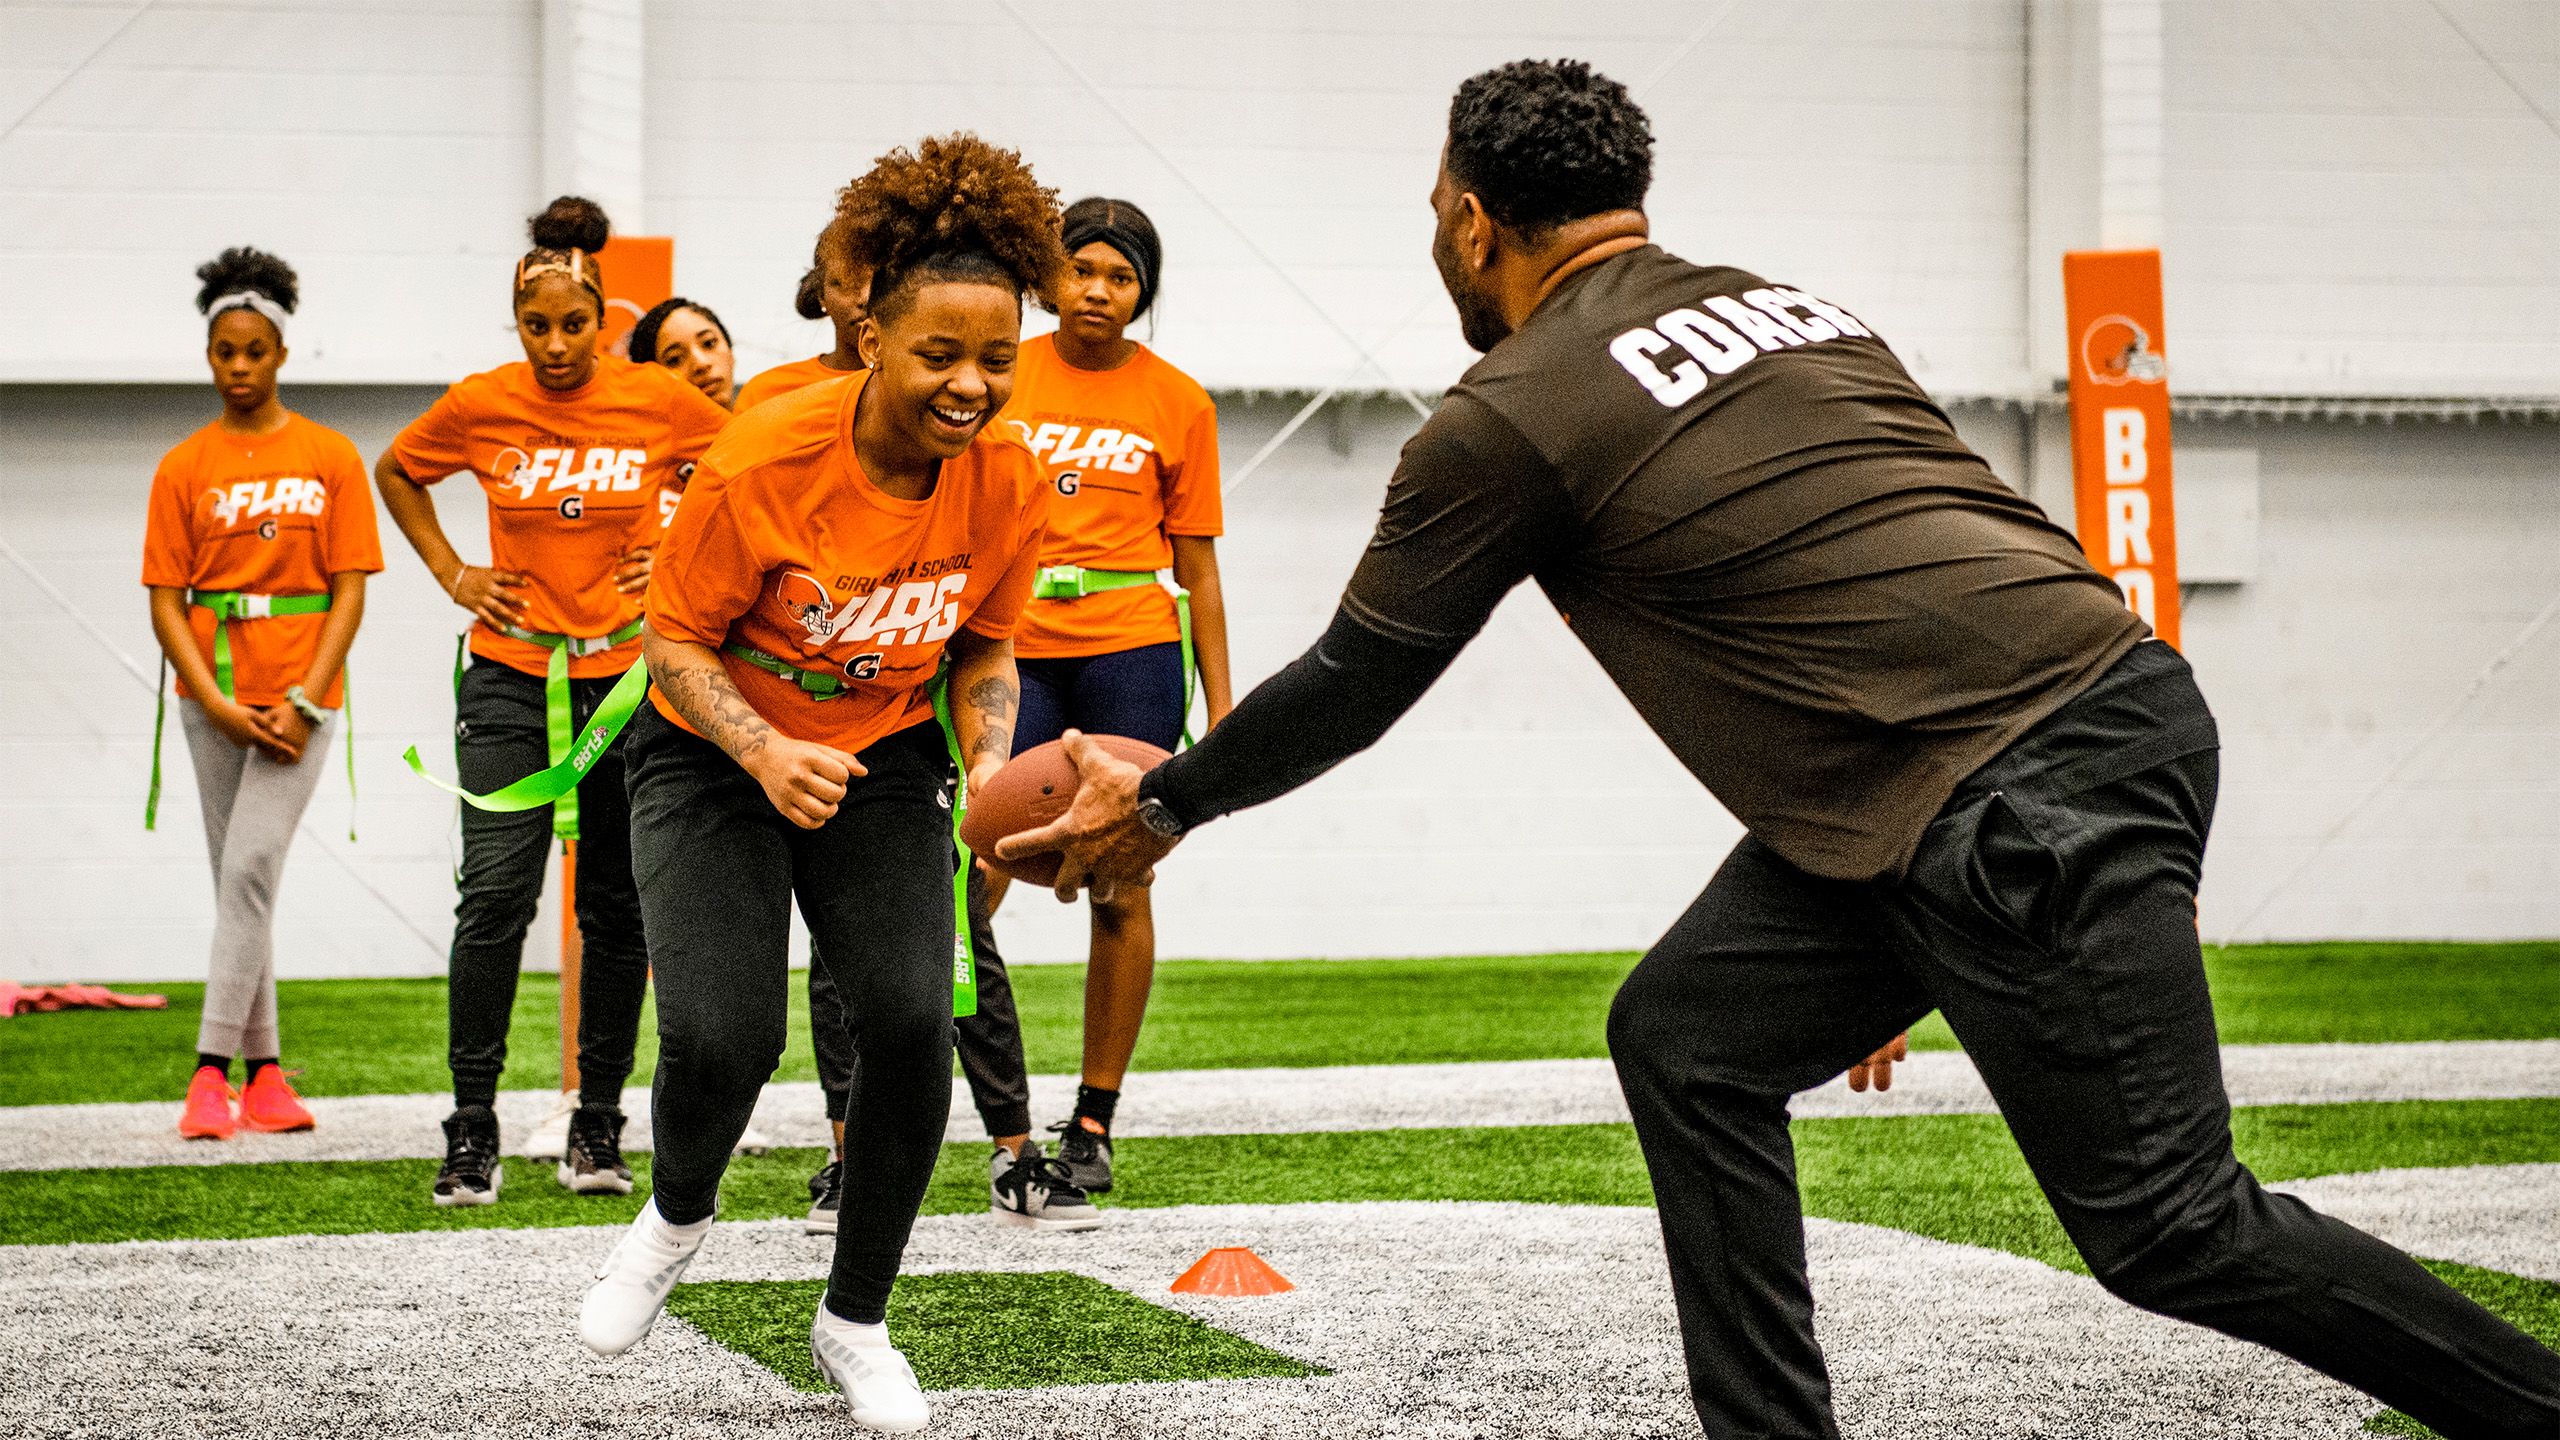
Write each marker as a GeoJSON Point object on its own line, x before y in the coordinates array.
{"type": "Point", "coordinates": [1128, 242]}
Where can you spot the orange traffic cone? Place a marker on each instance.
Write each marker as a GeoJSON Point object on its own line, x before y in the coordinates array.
{"type": "Point", "coordinates": [1232, 1270]}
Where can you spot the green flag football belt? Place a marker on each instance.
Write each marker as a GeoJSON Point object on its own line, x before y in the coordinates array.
{"type": "Point", "coordinates": [821, 686]}
{"type": "Point", "coordinates": [1074, 582]}
{"type": "Point", "coordinates": [572, 761]}
{"type": "Point", "coordinates": [572, 752]}
{"type": "Point", "coordinates": [230, 607]}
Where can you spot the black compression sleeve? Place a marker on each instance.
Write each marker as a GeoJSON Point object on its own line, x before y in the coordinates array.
{"type": "Point", "coordinates": [1329, 704]}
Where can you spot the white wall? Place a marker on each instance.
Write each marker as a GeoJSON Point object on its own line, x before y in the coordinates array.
{"type": "Point", "coordinates": [1286, 151]}
{"type": "Point", "coordinates": [388, 150]}
{"type": "Point", "coordinates": [2358, 201]}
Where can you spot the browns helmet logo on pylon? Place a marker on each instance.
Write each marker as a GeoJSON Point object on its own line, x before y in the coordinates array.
{"type": "Point", "coordinates": [2115, 350]}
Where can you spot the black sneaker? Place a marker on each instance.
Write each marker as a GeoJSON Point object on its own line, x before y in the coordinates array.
{"type": "Point", "coordinates": [1086, 1154]}
{"type": "Point", "coordinates": [826, 1196]}
{"type": "Point", "coordinates": [593, 1163]}
{"type": "Point", "coordinates": [470, 1173]}
{"type": "Point", "coordinates": [1035, 1192]}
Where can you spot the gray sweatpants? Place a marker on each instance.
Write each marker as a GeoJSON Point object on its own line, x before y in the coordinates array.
{"type": "Point", "coordinates": [251, 806]}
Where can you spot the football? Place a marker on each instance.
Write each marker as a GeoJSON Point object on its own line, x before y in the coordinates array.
{"type": "Point", "coordinates": [1034, 788]}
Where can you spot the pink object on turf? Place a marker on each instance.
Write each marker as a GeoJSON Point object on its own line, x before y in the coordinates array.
{"type": "Point", "coordinates": [16, 999]}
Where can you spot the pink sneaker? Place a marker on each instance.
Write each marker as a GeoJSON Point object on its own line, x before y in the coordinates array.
{"type": "Point", "coordinates": [208, 1112]}
{"type": "Point", "coordinates": [270, 1104]}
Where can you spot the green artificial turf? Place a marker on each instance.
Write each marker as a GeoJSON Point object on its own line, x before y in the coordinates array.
{"type": "Point", "coordinates": [2532, 1306]}
{"type": "Point", "coordinates": [1954, 1177]}
{"type": "Point", "coordinates": [988, 1331]}
{"type": "Point", "coordinates": [387, 1036]}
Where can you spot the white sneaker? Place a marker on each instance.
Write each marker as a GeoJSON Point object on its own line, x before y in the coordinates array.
{"type": "Point", "coordinates": [550, 1139]}
{"type": "Point", "coordinates": [874, 1377]}
{"type": "Point", "coordinates": [632, 1286]}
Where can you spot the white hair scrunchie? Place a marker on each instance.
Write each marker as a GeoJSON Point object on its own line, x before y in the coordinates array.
{"type": "Point", "coordinates": [250, 300]}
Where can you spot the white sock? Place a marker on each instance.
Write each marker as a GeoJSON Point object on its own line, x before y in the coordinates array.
{"type": "Point", "coordinates": [693, 1230]}
{"type": "Point", "coordinates": [852, 1332]}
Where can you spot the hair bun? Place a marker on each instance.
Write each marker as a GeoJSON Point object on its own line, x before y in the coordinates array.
{"type": "Point", "coordinates": [811, 299]}
{"type": "Point", "coordinates": [571, 222]}
{"type": "Point", "coordinates": [243, 267]}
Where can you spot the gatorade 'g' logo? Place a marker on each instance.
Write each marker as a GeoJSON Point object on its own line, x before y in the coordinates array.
{"type": "Point", "coordinates": [572, 507]}
{"type": "Point", "coordinates": [2116, 351]}
{"type": "Point", "coordinates": [266, 529]}
{"type": "Point", "coordinates": [865, 666]}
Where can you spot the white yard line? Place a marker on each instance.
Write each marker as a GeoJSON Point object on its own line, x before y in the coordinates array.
{"type": "Point", "coordinates": [1438, 1321]}
{"type": "Point", "coordinates": [1218, 1102]}
{"type": "Point", "coordinates": [2499, 1217]}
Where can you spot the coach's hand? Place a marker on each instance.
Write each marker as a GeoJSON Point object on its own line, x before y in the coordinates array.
{"type": "Point", "coordinates": [1101, 843]}
{"type": "Point", "coordinates": [804, 780]}
{"type": "Point", "coordinates": [1877, 1069]}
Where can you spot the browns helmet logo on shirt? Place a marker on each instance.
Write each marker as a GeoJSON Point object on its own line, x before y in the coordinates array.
{"type": "Point", "coordinates": [806, 602]}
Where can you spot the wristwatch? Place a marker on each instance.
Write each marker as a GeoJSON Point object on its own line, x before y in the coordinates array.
{"type": "Point", "coordinates": [1159, 818]}
{"type": "Point", "coordinates": [304, 705]}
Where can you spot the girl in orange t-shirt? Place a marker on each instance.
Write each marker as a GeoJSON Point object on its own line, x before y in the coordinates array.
{"type": "Point", "coordinates": [259, 536]}
{"type": "Point", "coordinates": [835, 289]}
{"type": "Point", "coordinates": [685, 337]}
{"type": "Point", "coordinates": [580, 455]}
{"type": "Point", "coordinates": [1131, 446]}
{"type": "Point", "coordinates": [839, 548]}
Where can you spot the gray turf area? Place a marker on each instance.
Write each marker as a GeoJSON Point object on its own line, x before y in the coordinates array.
{"type": "Point", "coordinates": [1440, 1320]}
{"type": "Point", "coordinates": [1227, 1102]}
{"type": "Point", "coordinates": [2499, 1217]}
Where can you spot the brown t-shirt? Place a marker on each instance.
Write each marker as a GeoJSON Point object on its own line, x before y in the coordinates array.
{"type": "Point", "coordinates": [1769, 537]}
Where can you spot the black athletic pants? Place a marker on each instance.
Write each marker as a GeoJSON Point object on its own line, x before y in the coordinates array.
{"type": "Point", "coordinates": [719, 869]}
{"type": "Point", "coordinates": [2050, 915]}
{"type": "Point", "coordinates": [499, 738]}
{"type": "Point", "coordinates": [990, 1042]}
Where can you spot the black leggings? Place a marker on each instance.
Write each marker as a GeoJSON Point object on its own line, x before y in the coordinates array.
{"type": "Point", "coordinates": [718, 869]}
{"type": "Point", "coordinates": [498, 739]}
{"type": "Point", "coordinates": [2050, 915]}
{"type": "Point", "coordinates": [990, 1041]}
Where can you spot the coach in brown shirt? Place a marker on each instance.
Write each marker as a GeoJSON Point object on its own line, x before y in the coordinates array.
{"type": "Point", "coordinates": [1971, 780]}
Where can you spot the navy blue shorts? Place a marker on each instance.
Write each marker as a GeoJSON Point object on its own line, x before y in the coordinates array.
{"type": "Point", "coordinates": [1137, 693]}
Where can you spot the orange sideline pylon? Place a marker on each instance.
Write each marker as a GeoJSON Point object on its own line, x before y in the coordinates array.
{"type": "Point", "coordinates": [1231, 1270]}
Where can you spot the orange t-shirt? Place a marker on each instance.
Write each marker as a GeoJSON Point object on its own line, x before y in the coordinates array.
{"type": "Point", "coordinates": [782, 380]}
{"type": "Point", "coordinates": [1132, 454]}
{"type": "Point", "coordinates": [576, 480]}
{"type": "Point", "coordinates": [267, 515]}
{"type": "Point", "coordinates": [784, 546]}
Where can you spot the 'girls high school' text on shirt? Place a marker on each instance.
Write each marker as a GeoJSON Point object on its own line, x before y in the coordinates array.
{"type": "Point", "coordinates": [1132, 458]}
{"type": "Point", "coordinates": [266, 515]}
{"type": "Point", "coordinates": [576, 480]}
{"type": "Point", "coordinates": [783, 545]}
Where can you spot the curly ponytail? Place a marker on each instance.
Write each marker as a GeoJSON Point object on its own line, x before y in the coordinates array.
{"type": "Point", "coordinates": [953, 208]}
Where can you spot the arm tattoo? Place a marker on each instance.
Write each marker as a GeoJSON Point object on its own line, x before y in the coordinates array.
{"type": "Point", "coordinates": [994, 699]}
{"type": "Point", "coordinates": [703, 693]}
